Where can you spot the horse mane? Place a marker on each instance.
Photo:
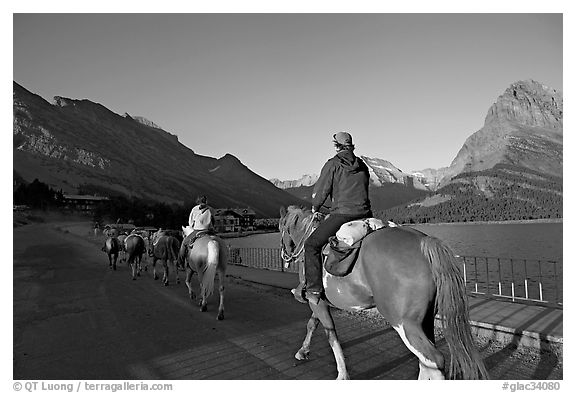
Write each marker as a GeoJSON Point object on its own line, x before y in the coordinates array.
{"type": "Point", "coordinates": [294, 215]}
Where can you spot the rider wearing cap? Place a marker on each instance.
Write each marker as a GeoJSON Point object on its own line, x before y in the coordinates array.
{"type": "Point", "coordinates": [344, 178]}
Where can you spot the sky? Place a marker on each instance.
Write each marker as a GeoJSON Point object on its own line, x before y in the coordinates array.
{"type": "Point", "coordinates": [272, 89]}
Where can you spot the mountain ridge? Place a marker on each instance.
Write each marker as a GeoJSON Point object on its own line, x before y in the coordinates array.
{"type": "Point", "coordinates": [76, 144]}
{"type": "Point", "coordinates": [522, 134]}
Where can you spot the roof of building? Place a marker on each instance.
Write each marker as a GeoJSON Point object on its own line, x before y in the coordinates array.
{"type": "Point", "coordinates": [241, 211]}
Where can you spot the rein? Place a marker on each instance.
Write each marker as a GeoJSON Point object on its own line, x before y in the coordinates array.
{"type": "Point", "coordinates": [297, 253]}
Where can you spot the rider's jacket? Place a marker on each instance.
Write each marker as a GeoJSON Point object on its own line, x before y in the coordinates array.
{"type": "Point", "coordinates": [201, 217]}
{"type": "Point", "coordinates": [345, 179]}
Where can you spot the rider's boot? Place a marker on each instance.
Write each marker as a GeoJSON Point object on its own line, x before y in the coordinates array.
{"type": "Point", "coordinates": [314, 287]}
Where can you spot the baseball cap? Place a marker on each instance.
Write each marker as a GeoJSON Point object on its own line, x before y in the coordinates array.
{"type": "Point", "coordinates": [343, 138]}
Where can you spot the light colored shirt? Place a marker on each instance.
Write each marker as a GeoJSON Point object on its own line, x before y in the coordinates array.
{"type": "Point", "coordinates": [201, 217]}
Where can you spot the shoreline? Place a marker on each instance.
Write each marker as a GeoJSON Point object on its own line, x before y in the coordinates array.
{"type": "Point", "coordinates": [34, 216]}
{"type": "Point", "coordinates": [538, 221]}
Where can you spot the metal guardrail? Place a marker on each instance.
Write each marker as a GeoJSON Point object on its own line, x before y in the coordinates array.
{"type": "Point", "coordinates": [262, 258]}
{"type": "Point", "coordinates": [526, 280]}
{"type": "Point", "coordinates": [517, 280]}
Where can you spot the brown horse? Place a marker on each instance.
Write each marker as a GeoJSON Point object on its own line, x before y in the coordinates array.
{"type": "Point", "coordinates": [122, 251]}
{"type": "Point", "coordinates": [409, 277]}
{"type": "Point", "coordinates": [207, 257]}
{"type": "Point", "coordinates": [112, 249]}
{"type": "Point", "coordinates": [134, 247]}
{"type": "Point", "coordinates": [164, 247]}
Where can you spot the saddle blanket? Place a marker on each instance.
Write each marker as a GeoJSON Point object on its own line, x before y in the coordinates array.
{"type": "Point", "coordinates": [341, 251]}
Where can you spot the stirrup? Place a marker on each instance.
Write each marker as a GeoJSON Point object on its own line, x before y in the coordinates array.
{"type": "Point", "coordinates": [298, 293]}
{"type": "Point", "coordinates": [314, 296]}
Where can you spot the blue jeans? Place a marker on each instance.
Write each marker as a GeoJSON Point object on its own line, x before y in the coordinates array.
{"type": "Point", "coordinates": [313, 247]}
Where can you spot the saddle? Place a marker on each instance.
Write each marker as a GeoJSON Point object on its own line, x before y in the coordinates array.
{"type": "Point", "coordinates": [199, 234]}
{"type": "Point", "coordinates": [341, 251]}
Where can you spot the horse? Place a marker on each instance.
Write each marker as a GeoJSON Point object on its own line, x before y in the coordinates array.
{"type": "Point", "coordinates": [122, 252]}
{"type": "Point", "coordinates": [208, 256]}
{"type": "Point", "coordinates": [135, 247]}
{"type": "Point", "coordinates": [112, 249]}
{"type": "Point", "coordinates": [409, 277]}
{"type": "Point", "coordinates": [166, 248]}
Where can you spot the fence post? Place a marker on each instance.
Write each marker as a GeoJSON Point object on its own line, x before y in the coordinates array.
{"type": "Point", "coordinates": [499, 278]}
{"type": "Point", "coordinates": [513, 281]}
{"type": "Point", "coordinates": [525, 280]}
{"type": "Point", "coordinates": [475, 275]}
{"type": "Point", "coordinates": [540, 279]}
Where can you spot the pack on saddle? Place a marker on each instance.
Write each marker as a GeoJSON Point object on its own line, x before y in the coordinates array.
{"type": "Point", "coordinates": [341, 251]}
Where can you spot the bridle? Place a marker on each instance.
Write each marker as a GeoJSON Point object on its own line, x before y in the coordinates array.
{"type": "Point", "coordinates": [297, 253]}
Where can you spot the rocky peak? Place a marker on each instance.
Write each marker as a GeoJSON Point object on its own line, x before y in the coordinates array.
{"type": "Point", "coordinates": [382, 172]}
{"type": "Point", "coordinates": [305, 180]}
{"type": "Point", "coordinates": [523, 128]}
{"type": "Point", "coordinates": [529, 103]}
{"type": "Point", "coordinates": [143, 120]}
{"type": "Point", "coordinates": [430, 177]}
{"type": "Point", "coordinates": [63, 101]}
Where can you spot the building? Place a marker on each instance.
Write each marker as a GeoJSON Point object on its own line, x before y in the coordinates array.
{"type": "Point", "coordinates": [234, 219]}
{"type": "Point", "coordinates": [82, 203]}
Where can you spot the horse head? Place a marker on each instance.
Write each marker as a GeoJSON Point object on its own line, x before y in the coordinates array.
{"type": "Point", "coordinates": [295, 225]}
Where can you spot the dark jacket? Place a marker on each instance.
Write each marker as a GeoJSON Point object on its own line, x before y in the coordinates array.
{"type": "Point", "coordinates": [345, 179]}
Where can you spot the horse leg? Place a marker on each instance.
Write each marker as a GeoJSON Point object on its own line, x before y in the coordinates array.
{"type": "Point", "coordinates": [431, 360]}
{"type": "Point", "coordinates": [166, 272]}
{"type": "Point", "coordinates": [203, 303]}
{"type": "Point", "coordinates": [177, 273]}
{"type": "Point", "coordinates": [201, 299]}
{"type": "Point", "coordinates": [132, 264]}
{"type": "Point", "coordinates": [322, 312]}
{"type": "Point", "coordinates": [114, 262]}
{"type": "Point", "coordinates": [188, 282]}
{"type": "Point", "coordinates": [221, 289]}
{"type": "Point", "coordinates": [154, 269]}
{"type": "Point", "coordinates": [311, 326]}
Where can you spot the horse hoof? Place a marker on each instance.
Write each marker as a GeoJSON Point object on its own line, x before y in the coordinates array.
{"type": "Point", "coordinates": [301, 355]}
{"type": "Point", "coordinates": [203, 308]}
{"type": "Point", "coordinates": [220, 316]}
{"type": "Point", "coordinates": [114, 268]}
{"type": "Point", "coordinates": [165, 284]}
{"type": "Point", "coordinates": [155, 278]}
{"type": "Point", "coordinates": [133, 278]}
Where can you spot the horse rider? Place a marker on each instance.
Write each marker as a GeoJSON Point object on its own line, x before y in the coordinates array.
{"type": "Point", "coordinates": [345, 179]}
{"type": "Point", "coordinates": [201, 219]}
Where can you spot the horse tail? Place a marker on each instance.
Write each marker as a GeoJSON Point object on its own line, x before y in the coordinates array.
{"type": "Point", "coordinates": [173, 249]}
{"type": "Point", "coordinates": [112, 245]}
{"type": "Point", "coordinates": [212, 259]}
{"type": "Point", "coordinates": [452, 305]}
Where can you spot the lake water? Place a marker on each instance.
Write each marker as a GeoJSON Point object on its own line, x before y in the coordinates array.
{"type": "Point", "coordinates": [517, 241]}
{"type": "Point", "coordinates": [502, 249]}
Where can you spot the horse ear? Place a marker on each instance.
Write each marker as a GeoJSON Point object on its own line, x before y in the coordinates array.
{"type": "Point", "coordinates": [282, 211]}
